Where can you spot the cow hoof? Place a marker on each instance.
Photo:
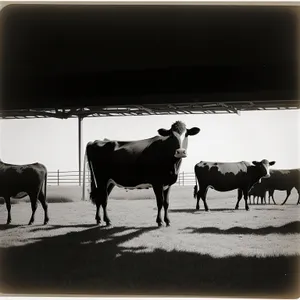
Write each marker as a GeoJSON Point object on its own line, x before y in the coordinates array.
{"type": "Point", "coordinates": [168, 224]}
{"type": "Point", "coordinates": [236, 208]}
{"type": "Point", "coordinates": [8, 222]}
{"type": "Point", "coordinates": [197, 207]}
{"type": "Point", "coordinates": [108, 224]}
{"type": "Point", "coordinates": [159, 224]}
{"type": "Point", "coordinates": [30, 223]}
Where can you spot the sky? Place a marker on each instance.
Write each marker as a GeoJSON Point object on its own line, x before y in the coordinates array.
{"type": "Point", "coordinates": [257, 135]}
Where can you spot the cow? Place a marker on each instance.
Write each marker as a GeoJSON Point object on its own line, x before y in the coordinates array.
{"type": "Point", "coordinates": [153, 162]}
{"type": "Point", "coordinates": [282, 180]}
{"type": "Point", "coordinates": [228, 176]}
{"type": "Point", "coordinates": [257, 191]}
{"type": "Point", "coordinates": [18, 181]}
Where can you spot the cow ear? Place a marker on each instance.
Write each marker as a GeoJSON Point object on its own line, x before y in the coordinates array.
{"type": "Point", "coordinates": [272, 163]}
{"type": "Point", "coordinates": [193, 131]}
{"type": "Point", "coordinates": [255, 162]}
{"type": "Point", "coordinates": [164, 132]}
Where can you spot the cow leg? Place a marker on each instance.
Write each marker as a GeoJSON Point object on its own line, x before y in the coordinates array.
{"type": "Point", "coordinates": [245, 192]}
{"type": "Point", "coordinates": [8, 207]}
{"type": "Point", "coordinates": [104, 204]}
{"type": "Point", "coordinates": [198, 199]}
{"type": "Point", "coordinates": [158, 191]}
{"type": "Point", "coordinates": [240, 195]}
{"type": "Point", "coordinates": [288, 192]}
{"type": "Point", "coordinates": [166, 206]}
{"type": "Point", "coordinates": [98, 204]}
{"type": "Point", "coordinates": [33, 200]}
{"type": "Point", "coordinates": [298, 190]}
{"type": "Point", "coordinates": [272, 196]}
{"type": "Point", "coordinates": [203, 193]}
{"type": "Point", "coordinates": [45, 207]}
{"type": "Point", "coordinates": [97, 201]}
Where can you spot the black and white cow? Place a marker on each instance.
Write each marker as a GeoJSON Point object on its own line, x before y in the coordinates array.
{"type": "Point", "coordinates": [19, 181]}
{"type": "Point", "coordinates": [152, 162]}
{"type": "Point", "coordinates": [282, 180]}
{"type": "Point", "coordinates": [229, 176]}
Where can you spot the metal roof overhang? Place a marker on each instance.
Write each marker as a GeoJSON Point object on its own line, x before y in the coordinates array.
{"type": "Point", "coordinates": [251, 72]}
{"type": "Point", "coordinates": [234, 107]}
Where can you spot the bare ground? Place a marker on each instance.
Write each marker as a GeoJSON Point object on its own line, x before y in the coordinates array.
{"type": "Point", "coordinates": [222, 252]}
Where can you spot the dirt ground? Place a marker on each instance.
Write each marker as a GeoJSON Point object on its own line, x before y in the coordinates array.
{"type": "Point", "coordinates": [222, 252]}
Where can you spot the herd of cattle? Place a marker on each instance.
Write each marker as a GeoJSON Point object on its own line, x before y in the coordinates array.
{"type": "Point", "coordinates": [152, 162]}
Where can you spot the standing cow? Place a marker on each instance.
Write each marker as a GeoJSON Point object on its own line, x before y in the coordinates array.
{"type": "Point", "coordinates": [282, 180]}
{"type": "Point", "coordinates": [257, 191]}
{"type": "Point", "coordinates": [152, 162]}
{"type": "Point", "coordinates": [19, 181]}
{"type": "Point", "coordinates": [224, 177]}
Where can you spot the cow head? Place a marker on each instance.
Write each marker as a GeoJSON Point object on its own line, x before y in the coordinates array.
{"type": "Point", "coordinates": [264, 167]}
{"type": "Point", "coordinates": [179, 134]}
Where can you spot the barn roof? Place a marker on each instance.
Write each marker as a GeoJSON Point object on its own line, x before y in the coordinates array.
{"type": "Point", "coordinates": [106, 60]}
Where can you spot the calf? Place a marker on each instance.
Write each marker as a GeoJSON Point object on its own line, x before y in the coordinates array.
{"type": "Point", "coordinates": [225, 177]}
{"type": "Point", "coordinates": [19, 181]}
{"type": "Point", "coordinates": [257, 191]}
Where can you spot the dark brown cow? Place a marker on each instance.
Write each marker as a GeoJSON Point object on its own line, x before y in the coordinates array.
{"type": "Point", "coordinates": [19, 181]}
{"type": "Point", "coordinates": [282, 180]}
{"type": "Point", "coordinates": [229, 176]}
{"type": "Point", "coordinates": [257, 191]}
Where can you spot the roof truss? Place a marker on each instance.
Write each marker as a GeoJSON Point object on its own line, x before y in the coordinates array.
{"type": "Point", "coordinates": [152, 109]}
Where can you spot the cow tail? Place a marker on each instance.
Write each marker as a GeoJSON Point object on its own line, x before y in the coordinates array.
{"type": "Point", "coordinates": [195, 190]}
{"type": "Point", "coordinates": [93, 180]}
{"type": "Point", "coordinates": [83, 177]}
{"type": "Point", "coordinates": [45, 185]}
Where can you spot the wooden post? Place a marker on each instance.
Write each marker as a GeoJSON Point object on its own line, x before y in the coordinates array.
{"type": "Point", "coordinates": [183, 178]}
{"type": "Point", "coordinates": [57, 177]}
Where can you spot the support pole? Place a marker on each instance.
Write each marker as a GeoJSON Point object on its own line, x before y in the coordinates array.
{"type": "Point", "coordinates": [79, 146]}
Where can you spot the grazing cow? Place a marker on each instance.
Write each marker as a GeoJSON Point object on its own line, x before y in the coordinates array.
{"type": "Point", "coordinates": [152, 162]}
{"type": "Point", "coordinates": [225, 177]}
{"type": "Point", "coordinates": [18, 181]}
{"type": "Point", "coordinates": [282, 180]}
{"type": "Point", "coordinates": [257, 191]}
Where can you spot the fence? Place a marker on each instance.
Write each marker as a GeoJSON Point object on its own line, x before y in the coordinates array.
{"type": "Point", "coordinates": [72, 178]}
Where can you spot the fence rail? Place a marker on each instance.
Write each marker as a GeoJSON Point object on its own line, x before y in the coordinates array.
{"type": "Point", "coordinates": [72, 178]}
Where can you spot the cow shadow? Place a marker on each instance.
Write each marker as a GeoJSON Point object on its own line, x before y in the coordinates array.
{"type": "Point", "coordinates": [184, 210]}
{"type": "Point", "coordinates": [193, 210]}
{"type": "Point", "coordinates": [95, 261]}
{"type": "Point", "coordinates": [9, 226]}
{"type": "Point", "coordinates": [267, 208]}
{"type": "Point", "coordinates": [289, 228]}
{"type": "Point", "coordinates": [54, 227]}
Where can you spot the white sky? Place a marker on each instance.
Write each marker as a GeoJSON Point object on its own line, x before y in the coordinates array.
{"type": "Point", "coordinates": [274, 135]}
